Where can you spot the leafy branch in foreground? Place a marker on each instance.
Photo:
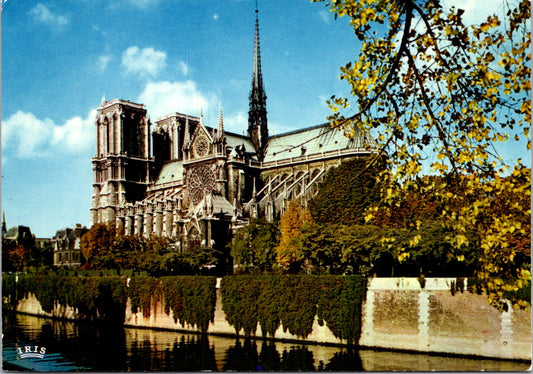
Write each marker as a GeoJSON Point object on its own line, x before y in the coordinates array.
{"type": "Point", "coordinates": [445, 95]}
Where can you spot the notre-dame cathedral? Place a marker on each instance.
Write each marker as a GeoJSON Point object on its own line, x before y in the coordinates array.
{"type": "Point", "coordinates": [195, 183]}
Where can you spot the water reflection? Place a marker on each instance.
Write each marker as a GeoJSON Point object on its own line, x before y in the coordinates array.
{"type": "Point", "coordinates": [83, 346]}
{"type": "Point", "coordinates": [245, 356]}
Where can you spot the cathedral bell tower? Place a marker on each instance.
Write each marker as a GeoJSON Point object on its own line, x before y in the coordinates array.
{"type": "Point", "coordinates": [122, 164]}
{"type": "Point", "coordinates": [257, 115]}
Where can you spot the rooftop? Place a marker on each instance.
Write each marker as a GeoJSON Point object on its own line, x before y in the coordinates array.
{"type": "Point", "coordinates": [314, 140]}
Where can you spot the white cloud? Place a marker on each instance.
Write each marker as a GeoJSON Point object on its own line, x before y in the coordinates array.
{"type": "Point", "coordinates": [325, 16]}
{"type": "Point", "coordinates": [184, 68]}
{"type": "Point", "coordinates": [477, 11]}
{"type": "Point", "coordinates": [236, 122]}
{"type": "Point", "coordinates": [165, 97]}
{"type": "Point", "coordinates": [42, 14]}
{"type": "Point", "coordinates": [143, 62]}
{"type": "Point", "coordinates": [102, 62]}
{"type": "Point", "coordinates": [75, 134]}
{"type": "Point", "coordinates": [29, 136]}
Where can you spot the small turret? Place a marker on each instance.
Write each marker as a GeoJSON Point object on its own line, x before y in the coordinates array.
{"type": "Point", "coordinates": [220, 129]}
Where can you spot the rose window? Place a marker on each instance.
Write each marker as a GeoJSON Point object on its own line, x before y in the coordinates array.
{"type": "Point", "coordinates": [201, 147]}
{"type": "Point", "coordinates": [201, 181]}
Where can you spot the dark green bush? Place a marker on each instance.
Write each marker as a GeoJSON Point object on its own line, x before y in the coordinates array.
{"type": "Point", "coordinates": [293, 302]}
{"type": "Point", "coordinates": [192, 299]}
{"type": "Point", "coordinates": [239, 301]}
{"type": "Point", "coordinates": [102, 298]}
{"type": "Point", "coordinates": [141, 291]}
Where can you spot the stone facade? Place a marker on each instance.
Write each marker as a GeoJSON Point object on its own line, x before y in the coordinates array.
{"type": "Point", "coordinates": [196, 184]}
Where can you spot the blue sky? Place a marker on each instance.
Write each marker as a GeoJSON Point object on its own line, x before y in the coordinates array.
{"type": "Point", "coordinates": [60, 57]}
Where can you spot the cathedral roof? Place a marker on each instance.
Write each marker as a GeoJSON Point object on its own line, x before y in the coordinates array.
{"type": "Point", "coordinates": [317, 140]}
{"type": "Point", "coordinates": [170, 172]}
{"type": "Point", "coordinates": [234, 140]}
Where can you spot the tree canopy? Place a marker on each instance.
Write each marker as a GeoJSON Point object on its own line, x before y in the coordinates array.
{"type": "Point", "coordinates": [290, 252]}
{"type": "Point", "coordinates": [346, 193]}
{"type": "Point", "coordinates": [443, 96]}
{"type": "Point", "coordinates": [156, 255]}
{"type": "Point", "coordinates": [254, 246]}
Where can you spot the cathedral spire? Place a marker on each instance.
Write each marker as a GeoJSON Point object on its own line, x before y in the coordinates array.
{"type": "Point", "coordinates": [257, 115]}
{"type": "Point", "coordinates": [257, 75]}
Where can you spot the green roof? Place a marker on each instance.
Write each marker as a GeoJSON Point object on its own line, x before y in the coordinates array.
{"type": "Point", "coordinates": [234, 140]}
{"type": "Point", "coordinates": [170, 172]}
{"type": "Point", "coordinates": [314, 141]}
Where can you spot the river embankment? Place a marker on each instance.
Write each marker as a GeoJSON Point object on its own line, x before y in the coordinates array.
{"type": "Point", "coordinates": [394, 313]}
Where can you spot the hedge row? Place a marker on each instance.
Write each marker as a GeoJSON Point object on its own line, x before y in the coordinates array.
{"type": "Point", "coordinates": [191, 298]}
{"type": "Point", "coordinates": [101, 298]}
{"type": "Point", "coordinates": [248, 301]}
{"type": "Point", "coordinates": [293, 302]}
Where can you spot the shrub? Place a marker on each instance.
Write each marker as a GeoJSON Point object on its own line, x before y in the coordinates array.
{"type": "Point", "coordinates": [294, 302]}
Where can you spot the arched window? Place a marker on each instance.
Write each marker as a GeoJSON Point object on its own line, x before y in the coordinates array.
{"type": "Point", "coordinates": [105, 136]}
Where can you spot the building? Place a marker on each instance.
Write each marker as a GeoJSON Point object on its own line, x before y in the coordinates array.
{"type": "Point", "coordinates": [19, 235]}
{"type": "Point", "coordinates": [195, 183]}
{"type": "Point", "coordinates": [37, 251]}
{"type": "Point", "coordinates": [67, 246]}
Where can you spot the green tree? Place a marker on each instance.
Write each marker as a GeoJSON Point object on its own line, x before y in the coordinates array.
{"type": "Point", "coordinates": [254, 246]}
{"type": "Point", "coordinates": [435, 86]}
{"type": "Point", "coordinates": [347, 191]}
{"type": "Point", "coordinates": [97, 242]}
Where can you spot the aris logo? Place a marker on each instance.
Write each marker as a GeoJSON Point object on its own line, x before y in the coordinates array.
{"type": "Point", "coordinates": [31, 351]}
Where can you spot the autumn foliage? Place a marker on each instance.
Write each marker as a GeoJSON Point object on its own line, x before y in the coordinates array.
{"type": "Point", "coordinates": [443, 96]}
{"type": "Point", "coordinates": [290, 253]}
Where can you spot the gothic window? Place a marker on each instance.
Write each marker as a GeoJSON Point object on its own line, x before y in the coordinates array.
{"type": "Point", "coordinates": [109, 136]}
{"type": "Point", "coordinates": [201, 181]}
{"type": "Point", "coordinates": [102, 141]}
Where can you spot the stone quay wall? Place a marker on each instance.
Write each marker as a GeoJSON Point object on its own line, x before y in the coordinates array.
{"type": "Point", "coordinates": [397, 315]}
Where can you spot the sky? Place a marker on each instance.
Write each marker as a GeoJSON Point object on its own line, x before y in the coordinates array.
{"type": "Point", "coordinates": [61, 57]}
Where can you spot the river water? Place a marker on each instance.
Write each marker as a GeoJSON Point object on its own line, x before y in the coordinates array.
{"type": "Point", "coordinates": [72, 346]}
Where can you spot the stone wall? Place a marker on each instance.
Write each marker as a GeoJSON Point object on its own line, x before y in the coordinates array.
{"type": "Point", "coordinates": [397, 314]}
{"type": "Point", "coordinates": [320, 334]}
